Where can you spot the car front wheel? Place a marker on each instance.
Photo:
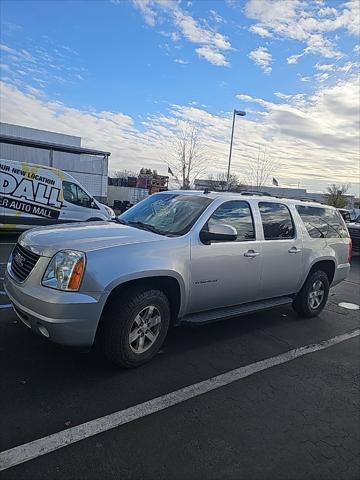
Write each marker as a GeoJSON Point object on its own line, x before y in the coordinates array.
{"type": "Point", "coordinates": [313, 296]}
{"type": "Point", "coordinates": [135, 327]}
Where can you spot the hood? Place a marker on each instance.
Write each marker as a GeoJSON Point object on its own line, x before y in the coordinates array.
{"type": "Point", "coordinates": [86, 236]}
{"type": "Point", "coordinates": [353, 225]}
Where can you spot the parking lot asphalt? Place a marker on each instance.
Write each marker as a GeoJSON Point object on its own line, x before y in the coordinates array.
{"type": "Point", "coordinates": [296, 420]}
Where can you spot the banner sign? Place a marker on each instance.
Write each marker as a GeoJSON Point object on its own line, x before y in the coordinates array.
{"type": "Point", "coordinates": [31, 189]}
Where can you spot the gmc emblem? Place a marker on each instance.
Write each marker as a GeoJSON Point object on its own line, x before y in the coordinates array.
{"type": "Point", "coordinates": [19, 259]}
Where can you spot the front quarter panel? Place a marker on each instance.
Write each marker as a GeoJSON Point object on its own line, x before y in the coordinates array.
{"type": "Point", "coordinates": [110, 267]}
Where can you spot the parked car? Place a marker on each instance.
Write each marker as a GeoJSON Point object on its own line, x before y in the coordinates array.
{"type": "Point", "coordinates": [354, 231]}
{"type": "Point", "coordinates": [175, 257]}
{"type": "Point", "coordinates": [346, 214]}
{"type": "Point", "coordinates": [33, 195]}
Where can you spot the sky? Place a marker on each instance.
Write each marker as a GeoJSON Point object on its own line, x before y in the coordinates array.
{"type": "Point", "coordinates": [125, 75]}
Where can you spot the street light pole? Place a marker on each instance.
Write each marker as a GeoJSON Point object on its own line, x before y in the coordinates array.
{"type": "Point", "coordinates": [241, 114]}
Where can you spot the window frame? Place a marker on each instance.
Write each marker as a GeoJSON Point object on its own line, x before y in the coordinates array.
{"type": "Point", "coordinates": [294, 236]}
{"type": "Point", "coordinates": [252, 220]}
{"type": "Point", "coordinates": [77, 203]}
{"type": "Point", "coordinates": [341, 225]}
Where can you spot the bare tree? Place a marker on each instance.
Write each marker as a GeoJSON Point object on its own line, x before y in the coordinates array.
{"type": "Point", "coordinates": [219, 182]}
{"type": "Point", "coordinates": [124, 174]}
{"type": "Point", "coordinates": [335, 195]}
{"type": "Point", "coordinates": [260, 170]}
{"type": "Point", "coordinates": [187, 155]}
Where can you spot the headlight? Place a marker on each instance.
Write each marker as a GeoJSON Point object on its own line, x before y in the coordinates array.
{"type": "Point", "coordinates": [110, 211]}
{"type": "Point", "coordinates": [65, 270]}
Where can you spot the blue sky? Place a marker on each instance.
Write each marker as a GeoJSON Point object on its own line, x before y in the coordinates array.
{"type": "Point", "coordinates": [122, 74]}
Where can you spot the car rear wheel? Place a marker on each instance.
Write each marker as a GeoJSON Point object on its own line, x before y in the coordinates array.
{"type": "Point", "coordinates": [134, 327]}
{"type": "Point", "coordinates": [313, 296]}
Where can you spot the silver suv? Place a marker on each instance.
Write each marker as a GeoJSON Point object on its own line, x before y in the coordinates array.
{"type": "Point", "coordinates": [175, 257]}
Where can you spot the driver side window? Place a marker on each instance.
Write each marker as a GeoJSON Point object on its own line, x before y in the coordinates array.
{"type": "Point", "coordinates": [83, 197]}
{"type": "Point", "coordinates": [237, 214]}
{"type": "Point", "coordinates": [76, 195]}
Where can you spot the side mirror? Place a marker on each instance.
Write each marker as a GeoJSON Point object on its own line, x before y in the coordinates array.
{"type": "Point", "coordinates": [91, 203]}
{"type": "Point", "coordinates": [218, 233]}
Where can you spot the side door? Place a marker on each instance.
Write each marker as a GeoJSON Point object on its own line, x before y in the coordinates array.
{"type": "Point", "coordinates": [77, 204]}
{"type": "Point", "coordinates": [226, 273]}
{"type": "Point", "coordinates": [281, 270]}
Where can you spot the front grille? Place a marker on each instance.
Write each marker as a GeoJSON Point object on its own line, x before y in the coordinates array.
{"type": "Point", "coordinates": [355, 237]}
{"type": "Point", "coordinates": [354, 232]}
{"type": "Point", "coordinates": [22, 263]}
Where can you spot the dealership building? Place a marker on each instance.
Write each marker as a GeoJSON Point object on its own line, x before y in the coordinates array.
{"type": "Point", "coordinates": [88, 166]}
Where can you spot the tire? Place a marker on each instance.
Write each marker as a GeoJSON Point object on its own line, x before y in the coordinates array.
{"type": "Point", "coordinates": [306, 303]}
{"type": "Point", "coordinates": [123, 317]}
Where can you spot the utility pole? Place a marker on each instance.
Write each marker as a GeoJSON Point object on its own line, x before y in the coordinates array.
{"type": "Point", "coordinates": [241, 114]}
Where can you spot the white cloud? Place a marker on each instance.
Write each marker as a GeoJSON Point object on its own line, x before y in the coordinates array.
{"type": "Point", "coordinates": [145, 7]}
{"type": "Point", "coordinates": [41, 66]}
{"type": "Point", "coordinates": [211, 44]}
{"type": "Point", "coordinates": [324, 67]}
{"type": "Point", "coordinates": [181, 61]}
{"type": "Point", "coordinates": [308, 22]}
{"type": "Point", "coordinates": [259, 30]}
{"type": "Point", "coordinates": [212, 56]}
{"type": "Point", "coordinates": [262, 57]}
{"type": "Point", "coordinates": [216, 17]}
{"type": "Point", "coordinates": [314, 138]}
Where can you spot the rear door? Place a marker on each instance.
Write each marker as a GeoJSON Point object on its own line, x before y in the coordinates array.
{"type": "Point", "coordinates": [226, 273]}
{"type": "Point", "coordinates": [281, 251]}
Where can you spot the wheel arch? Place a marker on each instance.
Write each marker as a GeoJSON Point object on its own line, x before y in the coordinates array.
{"type": "Point", "coordinates": [328, 266]}
{"type": "Point", "coordinates": [169, 284]}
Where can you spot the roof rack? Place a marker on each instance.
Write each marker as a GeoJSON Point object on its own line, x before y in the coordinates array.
{"type": "Point", "coordinates": [304, 199]}
{"type": "Point", "coordinates": [260, 194]}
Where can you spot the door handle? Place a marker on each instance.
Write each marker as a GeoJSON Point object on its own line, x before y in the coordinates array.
{"type": "Point", "coordinates": [251, 254]}
{"type": "Point", "coordinates": [294, 250]}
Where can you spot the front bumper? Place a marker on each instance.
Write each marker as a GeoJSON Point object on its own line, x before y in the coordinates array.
{"type": "Point", "coordinates": [68, 318]}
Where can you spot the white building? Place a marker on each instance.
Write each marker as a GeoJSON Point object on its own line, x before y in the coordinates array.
{"type": "Point", "coordinates": [88, 166]}
{"type": "Point", "coordinates": [296, 193]}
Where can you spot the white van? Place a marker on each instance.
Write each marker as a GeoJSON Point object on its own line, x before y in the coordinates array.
{"type": "Point", "coordinates": [33, 195]}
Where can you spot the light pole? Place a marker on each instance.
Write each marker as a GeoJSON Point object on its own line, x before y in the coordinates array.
{"type": "Point", "coordinates": [241, 114]}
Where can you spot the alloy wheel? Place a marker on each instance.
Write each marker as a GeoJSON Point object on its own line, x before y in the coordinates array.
{"type": "Point", "coordinates": [316, 294]}
{"type": "Point", "coordinates": [145, 329]}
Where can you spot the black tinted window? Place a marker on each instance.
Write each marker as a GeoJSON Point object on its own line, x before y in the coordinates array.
{"type": "Point", "coordinates": [322, 222]}
{"type": "Point", "coordinates": [74, 194]}
{"type": "Point", "coordinates": [238, 215]}
{"type": "Point", "coordinates": [277, 221]}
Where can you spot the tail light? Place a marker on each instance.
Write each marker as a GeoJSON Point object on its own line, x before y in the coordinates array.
{"type": "Point", "coordinates": [350, 251]}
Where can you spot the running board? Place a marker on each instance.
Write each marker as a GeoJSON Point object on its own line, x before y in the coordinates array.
{"type": "Point", "coordinates": [234, 311]}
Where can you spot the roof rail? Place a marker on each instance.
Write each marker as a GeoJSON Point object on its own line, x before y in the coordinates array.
{"type": "Point", "coordinates": [260, 194]}
{"type": "Point", "coordinates": [304, 199]}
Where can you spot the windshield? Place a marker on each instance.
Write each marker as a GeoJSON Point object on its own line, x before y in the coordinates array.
{"type": "Point", "coordinates": [357, 220]}
{"type": "Point", "coordinates": [167, 214]}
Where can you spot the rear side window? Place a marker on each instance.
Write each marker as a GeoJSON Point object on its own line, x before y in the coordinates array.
{"type": "Point", "coordinates": [277, 221]}
{"type": "Point", "coordinates": [237, 214]}
{"type": "Point", "coordinates": [322, 222]}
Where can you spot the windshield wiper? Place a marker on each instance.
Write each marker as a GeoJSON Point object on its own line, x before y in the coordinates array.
{"type": "Point", "coordinates": [318, 229]}
{"type": "Point", "coordinates": [118, 220]}
{"type": "Point", "coordinates": [329, 226]}
{"type": "Point", "coordinates": [146, 226]}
